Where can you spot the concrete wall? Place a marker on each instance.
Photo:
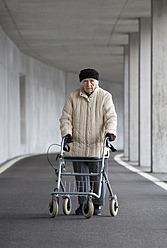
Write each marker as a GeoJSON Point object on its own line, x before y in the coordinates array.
{"type": "Point", "coordinates": [145, 93]}
{"type": "Point", "coordinates": [117, 90]}
{"type": "Point", "coordinates": [32, 96]}
{"type": "Point", "coordinates": [134, 97]}
{"type": "Point", "coordinates": [44, 88]}
{"type": "Point", "coordinates": [159, 86]}
{"type": "Point", "coordinates": [72, 82]}
{"type": "Point", "coordinates": [126, 102]}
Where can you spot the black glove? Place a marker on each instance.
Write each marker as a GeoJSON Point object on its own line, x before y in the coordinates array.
{"type": "Point", "coordinates": [111, 136]}
{"type": "Point", "coordinates": [68, 138]}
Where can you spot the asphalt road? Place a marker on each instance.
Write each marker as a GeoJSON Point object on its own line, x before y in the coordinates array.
{"type": "Point", "coordinates": [24, 221]}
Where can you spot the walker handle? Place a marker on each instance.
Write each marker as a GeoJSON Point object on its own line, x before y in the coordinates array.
{"type": "Point", "coordinates": [65, 145]}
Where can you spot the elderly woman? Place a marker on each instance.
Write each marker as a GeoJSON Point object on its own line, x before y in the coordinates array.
{"type": "Point", "coordinates": [88, 117]}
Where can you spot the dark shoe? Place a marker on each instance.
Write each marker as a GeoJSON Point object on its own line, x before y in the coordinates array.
{"type": "Point", "coordinates": [97, 210]}
{"type": "Point", "coordinates": [78, 211]}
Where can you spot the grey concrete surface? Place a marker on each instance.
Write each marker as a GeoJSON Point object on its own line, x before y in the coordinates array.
{"type": "Point", "coordinates": [126, 101]}
{"type": "Point", "coordinates": [145, 93]}
{"type": "Point", "coordinates": [43, 100]}
{"type": "Point", "coordinates": [159, 86]}
{"type": "Point", "coordinates": [134, 97]}
{"type": "Point", "coordinates": [24, 222]}
{"type": "Point", "coordinates": [73, 34]}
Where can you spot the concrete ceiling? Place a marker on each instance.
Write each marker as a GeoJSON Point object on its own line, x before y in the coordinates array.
{"type": "Point", "coordinates": [74, 34]}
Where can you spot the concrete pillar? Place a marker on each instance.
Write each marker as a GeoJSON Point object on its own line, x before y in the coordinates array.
{"type": "Point", "coordinates": [134, 97]}
{"type": "Point", "coordinates": [159, 85]}
{"type": "Point", "coordinates": [126, 102]}
{"type": "Point", "coordinates": [145, 92]}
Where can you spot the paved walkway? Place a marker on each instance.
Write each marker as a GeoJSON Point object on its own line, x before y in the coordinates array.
{"type": "Point", "coordinates": [24, 222]}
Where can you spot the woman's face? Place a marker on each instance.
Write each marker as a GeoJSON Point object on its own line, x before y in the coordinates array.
{"type": "Point", "coordinates": [89, 84]}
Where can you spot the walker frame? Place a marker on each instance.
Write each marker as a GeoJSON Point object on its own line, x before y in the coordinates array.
{"type": "Point", "coordinates": [61, 189]}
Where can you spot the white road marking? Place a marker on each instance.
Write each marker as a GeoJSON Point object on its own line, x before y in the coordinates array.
{"type": "Point", "coordinates": [7, 165]}
{"type": "Point", "coordinates": [153, 179]}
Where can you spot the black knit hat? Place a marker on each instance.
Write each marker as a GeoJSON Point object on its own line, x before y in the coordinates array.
{"type": "Point", "coordinates": [88, 73]}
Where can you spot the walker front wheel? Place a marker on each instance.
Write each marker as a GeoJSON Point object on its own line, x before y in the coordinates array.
{"type": "Point", "coordinates": [53, 208]}
{"type": "Point", "coordinates": [67, 206]}
{"type": "Point", "coordinates": [88, 209]}
{"type": "Point", "coordinates": [113, 205]}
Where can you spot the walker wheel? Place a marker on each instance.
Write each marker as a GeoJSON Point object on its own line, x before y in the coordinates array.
{"type": "Point", "coordinates": [113, 204]}
{"type": "Point", "coordinates": [53, 208]}
{"type": "Point", "coordinates": [88, 209]}
{"type": "Point", "coordinates": [67, 206]}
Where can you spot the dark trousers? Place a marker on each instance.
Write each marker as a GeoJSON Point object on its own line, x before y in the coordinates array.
{"type": "Point", "coordinates": [86, 183]}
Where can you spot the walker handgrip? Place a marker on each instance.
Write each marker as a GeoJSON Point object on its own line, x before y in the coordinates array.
{"type": "Point", "coordinates": [66, 147]}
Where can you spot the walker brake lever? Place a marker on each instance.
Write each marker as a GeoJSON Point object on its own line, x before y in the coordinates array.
{"type": "Point", "coordinates": [109, 145]}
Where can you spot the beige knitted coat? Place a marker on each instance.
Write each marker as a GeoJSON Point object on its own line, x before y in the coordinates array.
{"type": "Point", "coordinates": [88, 120]}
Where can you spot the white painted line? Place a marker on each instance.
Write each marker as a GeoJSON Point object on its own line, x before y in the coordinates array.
{"type": "Point", "coordinates": [7, 165]}
{"type": "Point", "coordinates": [153, 179]}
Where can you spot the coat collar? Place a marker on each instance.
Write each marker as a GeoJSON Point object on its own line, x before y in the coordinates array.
{"type": "Point", "coordinates": [83, 93]}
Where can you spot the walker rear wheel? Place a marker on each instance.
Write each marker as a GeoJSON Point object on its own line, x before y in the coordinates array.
{"type": "Point", "coordinates": [67, 206]}
{"type": "Point", "coordinates": [113, 205]}
{"type": "Point", "coordinates": [88, 209]}
{"type": "Point", "coordinates": [53, 208]}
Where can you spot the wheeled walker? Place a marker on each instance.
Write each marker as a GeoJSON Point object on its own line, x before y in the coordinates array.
{"type": "Point", "coordinates": [67, 188]}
